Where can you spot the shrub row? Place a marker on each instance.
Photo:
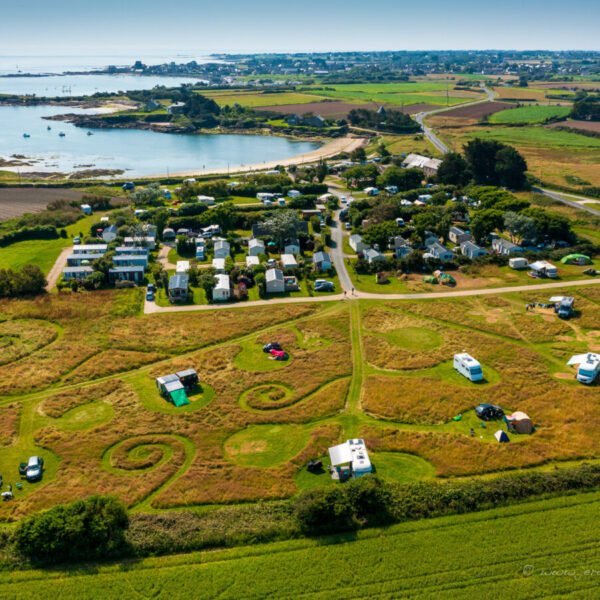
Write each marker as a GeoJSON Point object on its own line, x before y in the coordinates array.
{"type": "Point", "coordinates": [37, 232]}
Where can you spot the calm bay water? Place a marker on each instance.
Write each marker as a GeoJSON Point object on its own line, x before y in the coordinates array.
{"type": "Point", "coordinates": [139, 153]}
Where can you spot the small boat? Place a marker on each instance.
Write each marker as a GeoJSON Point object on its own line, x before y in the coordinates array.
{"type": "Point", "coordinates": [49, 128]}
{"type": "Point", "coordinates": [62, 134]}
{"type": "Point", "coordinates": [26, 135]}
{"type": "Point", "coordinates": [90, 133]}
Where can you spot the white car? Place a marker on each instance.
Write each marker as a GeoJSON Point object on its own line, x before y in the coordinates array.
{"type": "Point", "coordinates": [35, 467]}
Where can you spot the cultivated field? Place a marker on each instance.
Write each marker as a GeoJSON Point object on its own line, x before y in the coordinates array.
{"type": "Point", "coordinates": [475, 111]}
{"type": "Point", "coordinates": [258, 99]}
{"type": "Point", "coordinates": [15, 202]}
{"type": "Point", "coordinates": [329, 108]}
{"type": "Point", "coordinates": [77, 387]}
{"type": "Point", "coordinates": [540, 549]}
{"type": "Point", "coordinates": [591, 126]}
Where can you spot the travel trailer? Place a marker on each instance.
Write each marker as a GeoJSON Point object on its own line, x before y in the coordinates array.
{"type": "Point", "coordinates": [469, 367]}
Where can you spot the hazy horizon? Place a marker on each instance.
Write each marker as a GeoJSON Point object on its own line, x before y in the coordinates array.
{"type": "Point", "coordinates": [65, 27]}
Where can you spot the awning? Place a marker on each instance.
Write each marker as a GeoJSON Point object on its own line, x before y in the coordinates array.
{"type": "Point", "coordinates": [340, 455]}
{"type": "Point", "coordinates": [179, 398]}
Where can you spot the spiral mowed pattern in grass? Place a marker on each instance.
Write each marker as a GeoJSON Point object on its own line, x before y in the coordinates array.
{"type": "Point", "coordinates": [268, 396]}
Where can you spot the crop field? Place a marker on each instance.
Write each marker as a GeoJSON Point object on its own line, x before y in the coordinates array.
{"type": "Point", "coordinates": [529, 114]}
{"type": "Point", "coordinates": [539, 549]}
{"type": "Point", "coordinates": [15, 202]}
{"type": "Point", "coordinates": [329, 108]}
{"type": "Point", "coordinates": [77, 387]}
{"type": "Point", "coordinates": [399, 94]}
{"type": "Point", "coordinates": [475, 111]}
{"type": "Point", "coordinates": [591, 126]}
{"type": "Point", "coordinates": [530, 94]}
{"type": "Point", "coordinates": [258, 99]}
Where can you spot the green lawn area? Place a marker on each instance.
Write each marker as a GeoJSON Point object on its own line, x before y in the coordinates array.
{"type": "Point", "coordinates": [529, 114]}
{"type": "Point", "coordinates": [396, 93]}
{"type": "Point", "coordinates": [536, 136]}
{"type": "Point", "coordinates": [44, 253]}
{"type": "Point", "coordinates": [544, 548]}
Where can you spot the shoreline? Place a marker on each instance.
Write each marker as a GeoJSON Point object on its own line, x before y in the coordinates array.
{"type": "Point", "coordinates": [327, 150]}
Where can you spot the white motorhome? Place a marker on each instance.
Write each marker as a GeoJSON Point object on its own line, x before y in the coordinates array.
{"type": "Point", "coordinates": [466, 365]}
{"type": "Point", "coordinates": [589, 369]}
{"type": "Point", "coordinates": [352, 453]}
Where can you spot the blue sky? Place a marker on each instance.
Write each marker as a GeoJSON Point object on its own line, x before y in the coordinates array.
{"type": "Point", "coordinates": [197, 26]}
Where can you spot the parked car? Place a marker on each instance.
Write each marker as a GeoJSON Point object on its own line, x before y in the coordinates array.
{"type": "Point", "coordinates": [348, 225]}
{"type": "Point", "coordinates": [76, 240]}
{"type": "Point", "coordinates": [322, 285]}
{"type": "Point", "coordinates": [35, 468]}
{"type": "Point", "coordinates": [128, 186]}
{"type": "Point", "coordinates": [151, 287]}
{"type": "Point", "coordinates": [278, 354]}
{"type": "Point", "coordinates": [489, 412]}
{"type": "Point", "coordinates": [271, 346]}
{"type": "Point", "coordinates": [150, 296]}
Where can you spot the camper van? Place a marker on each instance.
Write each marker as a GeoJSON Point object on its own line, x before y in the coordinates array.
{"type": "Point", "coordinates": [469, 367]}
{"type": "Point", "coordinates": [564, 307]}
{"type": "Point", "coordinates": [589, 370]}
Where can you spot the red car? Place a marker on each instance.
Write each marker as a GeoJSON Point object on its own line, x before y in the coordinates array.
{"type": "Point", "coordinates": [278, 354]}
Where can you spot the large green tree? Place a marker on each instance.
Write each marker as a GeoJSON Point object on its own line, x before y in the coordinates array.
{"type": "Point", "coordinates": [454, 170]}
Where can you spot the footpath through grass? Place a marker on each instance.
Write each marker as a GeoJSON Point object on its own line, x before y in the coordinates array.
{"type": "Point", "coordinates": [532, 550]}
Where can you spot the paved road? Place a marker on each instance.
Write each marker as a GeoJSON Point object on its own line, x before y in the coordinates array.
{"type": "Point", "coordinates": [564, 198]}
{"type": "Point", "coordinates": [57, 268]}
{"type": "Point", "coordinates": [152, 308]}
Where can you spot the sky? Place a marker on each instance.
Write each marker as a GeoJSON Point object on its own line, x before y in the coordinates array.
{"type": "Point", "coordinates": [79, 27]}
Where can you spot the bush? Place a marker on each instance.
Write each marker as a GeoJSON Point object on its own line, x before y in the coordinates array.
{"type": "Point", "coordinates": [29, 281]}
{"type": "Point", "coordinates": [88, 529]}
{"type": "Point", "coordinates": [325, 511]}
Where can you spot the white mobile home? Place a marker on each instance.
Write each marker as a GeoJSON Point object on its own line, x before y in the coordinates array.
{"type": "Point", "coordinates": [219, 265]}
{"type": "Point", "coordinates": [256, 247]}
{"type": "Point", "coordinates": [288, 262]}
{"type": "Point", "coordinates": [222, 289]}
{"type": "Point", "coordinates": [472, 250]}
{"type": "Point", "coordinates": [466, 365]}
{"type": "Point", "coordinates": [275, 282]}
{"type": "Point", "coordinates": [356, 243]}
{"type": "Point", "coordinates": [518, 262]}
{"type": "Point", "coordinates": [221, 249]}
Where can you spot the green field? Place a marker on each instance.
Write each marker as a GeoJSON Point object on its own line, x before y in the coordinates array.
{"type": "Point", "coordinates": [529, 114]}
{"type": "Point", "coordinates": [536, 136]}
{"type": "Point", "coordinates": [44, 253]}
{"type": "Point", "coordinates": [539, 549]}
{"type": "Point", "coordinates": [256, 99]}
{"type": "Point", "coordinates": [398, 93]}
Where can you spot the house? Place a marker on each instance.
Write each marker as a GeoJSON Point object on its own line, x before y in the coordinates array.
{"type": "Point", "coordinates": [472, 250]}
{"type": "Point", "coordinates": [130, 260]}
{"type": "Point", "coordinates": [178, 287]}
{"type": "Point", "coordinates": [135, 274]}
{"type": "Point", "coordinates": [252, 261]}
{"type": "Point", "coordinates": [504, 247]}
{"type": "Point", "coordinates": [458, 236]}
{"type": "Point", "coordinates": [275, 282]}
{"type": "Point", "coordinates": [356, 243]}
{"type": "Point", "coordinates": [313, 121]}
{"type": "Point", "coordinates": [321, 261]}
{"type": "Point", "coordinates": [371, 191]}
{"type": "Point", "coordinates": [79, 273]}
{"type": "Point", "coordinates": [222, 289]}
{"type": "Point", "coordinates": [183, 266]}
{"type": "Point", "coordinates": [292, 247]}
{"type": "Point", "coordinates": [78, 260]}
{"type": "Point", "coordinates": [294, 194]}
{"type": "Point", "coordinates": [137, 250]}
{"type": "Point", "coordinates": [148, 241]}
{"type": "Point", "coordinates": [151, 105]}
{"type": "Point", "coordinates": [428, 165]}
{"type": "Point", "coordinates": [110, 233]}
{"type": "Point", "coordinates": [208, 200]}
{"type": "Point", "coordinates": [543, 268]}
{"type": "Point", "coordinates": [437, 251]}
{"type": "Point", "coordinates": [219, 265]}
{"type": "Point", "coordinates": [401, 246]}
{"type": "Point", "coordinates": [256, 247]}
{"type": "Point", "coordinates": [168, 235]}
{"type": "Point", "coordinates": [288, 262]}
{"type": "Point", "coordinates": [86, 209]}
{"type": "Point", "coordinates": [176, 108]}
{"type": "Point", "coordinates": [97, 249]}
{"type": "Point", "coordinates": [373, 256]}
{"type": "Point", "coordinates": [221, 249]}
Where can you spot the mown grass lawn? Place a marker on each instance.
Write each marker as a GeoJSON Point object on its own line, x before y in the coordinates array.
{"type": "Point", "coordinates": [529, 114]}
{"type": "Point", "coordinates": [545, 548]}
{"type": "Point", "coordinates": [257, 99]}
{"type": "Point", "coordinates": [536, 136]}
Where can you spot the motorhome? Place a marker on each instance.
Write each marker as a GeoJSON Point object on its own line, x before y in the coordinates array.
{"type": "Point", "coordinates": [589, 369]}
{"type": "Point", "coordinates": [350, 459]}
{"type": "Point", "coordinates": [467, 366]}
